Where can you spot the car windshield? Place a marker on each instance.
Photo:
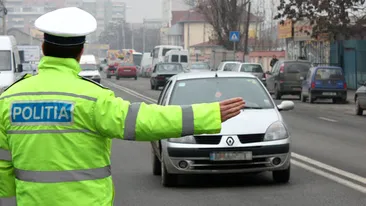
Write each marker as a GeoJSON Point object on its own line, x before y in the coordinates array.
{"type": "Point", "coordinates": [169, 68]}
{"type": "Point", "coordinates": [137, 59]}
{"type": "Point", "coordinates": [88, 67]}
{"type": "Point", "coordinates": [254, 68]}
{"type": "Point", "coordinates": [209, 90]}
{"type": "Point", "coordinates": [200, 66]}
{"type": "Point", "coordinates": [329, 74]}
{"type": "Point", "coordinates": [5, 59]}
{"type": "Point", "coordinates": [230, 66]}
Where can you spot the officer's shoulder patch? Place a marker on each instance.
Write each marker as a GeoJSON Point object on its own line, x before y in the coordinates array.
{"type": "Point", "coordinates": [94, 82]}
{"type": "Point", "coordinates": [25, 76]}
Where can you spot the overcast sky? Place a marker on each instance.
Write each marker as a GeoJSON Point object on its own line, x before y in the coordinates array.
{"type": "Point", "coordinates": [148, 9]}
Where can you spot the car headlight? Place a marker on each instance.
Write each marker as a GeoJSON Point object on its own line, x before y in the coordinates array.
{"type": "Point", "coordinates": [276, 131]}
{"type": "Point", "coordinates": [185, 140]}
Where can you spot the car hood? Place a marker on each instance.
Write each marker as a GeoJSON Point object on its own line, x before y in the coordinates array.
{"type": "Point", "coordinates": [89, 73]}
{"type": "Point", "coordinates": [250, 121]}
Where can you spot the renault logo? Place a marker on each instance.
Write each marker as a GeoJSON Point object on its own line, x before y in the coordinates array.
{"type": "Point", "coordinates": [230, 141]}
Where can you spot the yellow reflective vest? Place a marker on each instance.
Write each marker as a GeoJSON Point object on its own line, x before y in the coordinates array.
{"type": "Point", "coordinates": [59, 128]}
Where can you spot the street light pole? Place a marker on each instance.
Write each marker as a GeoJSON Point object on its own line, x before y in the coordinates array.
{"type": "Point", "coordinates": [4, 15]}
{"type": "Point", "coordinates": [132, 37]}
{"type": "Point", "coordinates": [143, 36]}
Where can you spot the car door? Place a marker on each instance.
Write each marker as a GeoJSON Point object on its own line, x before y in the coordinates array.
{"type": "Point", "coordinates": [153, 75]}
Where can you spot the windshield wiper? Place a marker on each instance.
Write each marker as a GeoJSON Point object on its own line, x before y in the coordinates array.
{"type": "Point", "coordinates": [253, 107]}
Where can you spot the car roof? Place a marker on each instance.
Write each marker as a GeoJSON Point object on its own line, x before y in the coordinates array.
{"type": "Point", "coordinates": [220, 74]}
{"type": "Point", "coordinates": [327, 67]}
{"type": "Point", "coordinates": [251, 63]}
{"type": "Point", "coordinates": [165, 63]}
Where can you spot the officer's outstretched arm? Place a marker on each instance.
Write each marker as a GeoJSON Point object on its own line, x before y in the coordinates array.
{"type": "Point", "coordinates": [7, 177]}
{"type": "Point", "coordinates": [117, 118]}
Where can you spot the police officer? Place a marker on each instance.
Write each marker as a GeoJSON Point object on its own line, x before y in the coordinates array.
{"type": "Point", "coordinates": [59, 126]}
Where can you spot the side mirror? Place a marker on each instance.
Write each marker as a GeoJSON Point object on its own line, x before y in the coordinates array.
{"type": "Point", "coordinates": [286, 106]}
{"type": "Point", "coordinates": [20, 68]}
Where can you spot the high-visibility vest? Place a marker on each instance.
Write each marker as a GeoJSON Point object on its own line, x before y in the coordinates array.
{"type": "Point", "coordinates": [60, 126]}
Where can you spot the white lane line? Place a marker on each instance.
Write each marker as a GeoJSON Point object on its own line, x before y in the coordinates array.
{"type": "Point", "coordinates": [327, 119]}
{"type": "Point", "coordinates": [307, 160]}
{"type": "Point", "coordinates": [330, 168]}
{"type": "Point", "coordinates": [330, 176]}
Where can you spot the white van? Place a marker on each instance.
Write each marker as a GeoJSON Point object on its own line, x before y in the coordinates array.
{"type": "Point", "coordinates": [89, 68]}
{"type": "Point", "coordinates": [160, 51]}
{"type": "Point", "coordinates": [10, 67]}
{"type": "Point", "coordinates": [176, 56]}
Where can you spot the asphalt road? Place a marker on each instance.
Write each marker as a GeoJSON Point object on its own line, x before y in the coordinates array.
{"type": "Point", "coordinates": [328, 164]}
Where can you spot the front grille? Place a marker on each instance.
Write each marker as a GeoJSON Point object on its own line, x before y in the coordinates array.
{"type": "Point", "coordinates": [214, 139]}
{"type": "Point", "coordinates": [229, 165]}
{"type": "Point", "coordinates": [250, 138]}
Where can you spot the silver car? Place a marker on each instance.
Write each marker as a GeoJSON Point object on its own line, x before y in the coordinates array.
{"type": "Point", "coordinates": [253, 68]}
{"type": "Point", "coordinates": [256, 140]}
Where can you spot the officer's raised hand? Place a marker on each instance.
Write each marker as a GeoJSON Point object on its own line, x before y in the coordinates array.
{"type": "Point", "coordinates": [230, 108]}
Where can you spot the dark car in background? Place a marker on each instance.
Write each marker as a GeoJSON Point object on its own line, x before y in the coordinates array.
{"type": "Point", "coordinates": [324, 82]}
{"type": "Point", "coordinates": [286, 77]}
{"type": "Point", "coordinates": [162, 72]}
{"type": "Point", "coordinates": [360, 98]}
{"type": "Point", "coordinates": [126, 70]}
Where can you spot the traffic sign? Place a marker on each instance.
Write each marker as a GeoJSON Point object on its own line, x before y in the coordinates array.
{"type": "Point", "coordinates": [234, 36]}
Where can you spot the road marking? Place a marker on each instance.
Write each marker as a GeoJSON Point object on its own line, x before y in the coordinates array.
{"type": "Point", "coordinates": [327, 119]}
{"type": "Point", "coordinates": [330, 176]}
{"type": "Point", "coordinates": [329, 169]}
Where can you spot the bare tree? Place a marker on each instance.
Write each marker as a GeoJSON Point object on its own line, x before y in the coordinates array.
{"type": "Point", "coordinates": [224, 16]}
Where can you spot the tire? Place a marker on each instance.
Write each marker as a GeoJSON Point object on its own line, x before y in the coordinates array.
{"type": "Point", "coordinates": [135, 77]}
{"type": "Point", "coordinates": [167, 180]}
{"type": "Point", "coordinates": [282, 176]}
{"type": "Point", "coordinates": [277, 93]}
{"type": "Point", "coordinates": [358, 110]}
{"type": "Point", "coordinates": [156, 164]}
{"type": "Point", "coordinates": [302, 97]}
{"type": "Point", "coordinates": [117, 77]}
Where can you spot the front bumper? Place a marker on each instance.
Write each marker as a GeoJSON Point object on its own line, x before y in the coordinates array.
{"type": "Point", "coordinates": [199, 162]}
{"type": "Point", "coordinates": [322, 93]}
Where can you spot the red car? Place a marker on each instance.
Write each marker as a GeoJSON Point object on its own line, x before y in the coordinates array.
{"type": "Point", "coordinates": [126, 70]}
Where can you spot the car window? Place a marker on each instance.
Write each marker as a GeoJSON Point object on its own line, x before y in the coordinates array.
{"type": "Point", "coordinates": [169, 68]}
{"type": "Point", "coordinates": [156, 53]}
{"type": "Point", "coordinates": [308, 76]}
{"type": "Point", "coordinates": [200, 66]}
{"type": "Point", "coordinates": [229, 66]}
{"type": "Point", "coordinates": [163, 96]}
{"type": "Point", "coordinates": [5, 59]}
{"type": "Point", "coordinates": [329, 74]}
{"type": "Point", "coordinates": [175, 58]}
{"type": "Point", "coordinates": [218, 89]}
{"type": "Point", "coordinates": [184, 58]}
{"type": "Point", "coordinates": [297, 67]}
{"type": "Point", "coordinates": [275, 68]}
{"type": "Point", "coordinates": [255, 68]}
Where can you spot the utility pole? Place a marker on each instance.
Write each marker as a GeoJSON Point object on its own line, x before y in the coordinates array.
{"type": "Point", "coordinates": [247, 31]}
{"type": "Point", "coordinates": [4, 13]}
{"type": "Point", "coordinates": [143, 36]}
{"type": "Point", "coordinates": [123, 35]}
{"type": "Point", "coordinates": [132, 37]}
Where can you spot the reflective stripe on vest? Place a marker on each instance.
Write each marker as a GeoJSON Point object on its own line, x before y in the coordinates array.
{"type": "Point", "coordinates": [63, 176]}
{"type": "Point", "coordinates": [5, 155]}
{"type": "Point", "coordinates": [131, 119]}
{"type": "Point", "coordinates": [8, 201]}
{"type": "Point", "coordinates": [50, 93]}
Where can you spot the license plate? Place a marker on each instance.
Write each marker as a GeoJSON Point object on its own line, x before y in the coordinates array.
{"type": "Point", "coordinates": [230, 156]}
{"type": "Point", "coordinates": [329, 93]}
{"type": "Point", "coordinates": [126, 70]}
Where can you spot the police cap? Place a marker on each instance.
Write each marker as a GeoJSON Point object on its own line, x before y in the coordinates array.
{"type": "Point", "coordinates": [66, 26]}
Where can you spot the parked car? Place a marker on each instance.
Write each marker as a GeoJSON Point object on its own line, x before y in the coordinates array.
{"type": "Point", "coordinates": [257, 140]}
{"type": "Point", "coordinates": [199, 67]}
{"type": "Point", "coordinates": [286, 77]}
{"type": "Point", "coordinates": [253, 68]}
{"type": "Point", "coordinates": [324, 82]}
{"type": "Point", "coordinates": [162, 72]}
{"type": "Point", "coordinates": [227, 65]}
{"type": "Point", "coordinates": [126, 70]}
{"type": "Point", "coordinates": [360, 98]}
